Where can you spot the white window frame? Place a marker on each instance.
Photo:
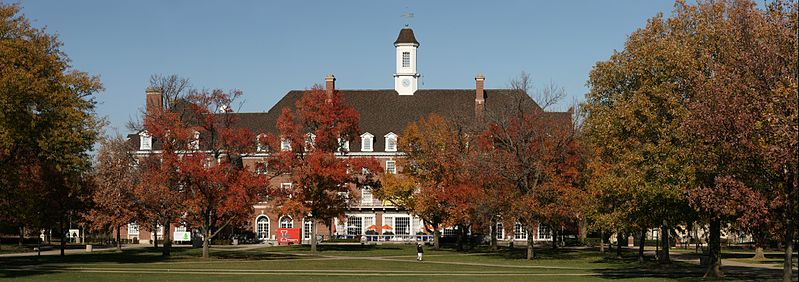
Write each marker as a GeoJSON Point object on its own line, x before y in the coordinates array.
{"type": "Point", "coordinates": [343, 145]}
{"type": "Point", "coordinates": [288, 224]}
{"type": "Point", "coordinates": [259, 146]}
{"type": "Point", "coordinates": [261, 168]}
{"type": "Point", "coordinates": [500, 231]}
{"type": "Point", "coordinates": [366, 191]}
{"type": "Point", "coordinates": [391, 166]}
{"type": "Point", "coordinates": [145, 141]}
{"type": "Point", "coordinates": [310, 141]}
{"type": "Point", "coordinates": [367, 139]}
{"type": "Point", "coordinates": [194, 143]}
{"type": "Point", "coordinates": [391, 142]}
{"type": "Point", "coordinates": [519, 233]}
{"type": "Point", "coordinates": [406, 59]}
{"type": "Point", "coordinates": [133, 229]}
{"type": "Point", "coordinates": [544, 232]}
{"type": "Point", "coordinates": [258, 229]}
{"type": "Point", "coordinates": [285, 144]}
{"type": "Point", "coordinates": [307, 229]}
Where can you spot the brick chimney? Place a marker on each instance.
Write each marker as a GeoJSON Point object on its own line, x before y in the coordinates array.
{"type": "Point", "coordinates": [153, 101]}
{"type": "Point", "coordinates": [479, 98]}
{"type": "Point", "coordinates": [330, 85]}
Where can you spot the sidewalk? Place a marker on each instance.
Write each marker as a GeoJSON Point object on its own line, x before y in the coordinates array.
{"type": "Point", "coordinates": [57, 251]}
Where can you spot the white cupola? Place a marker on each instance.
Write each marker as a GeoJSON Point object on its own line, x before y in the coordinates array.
{"type": "Point", "coordinates": [406, 78]}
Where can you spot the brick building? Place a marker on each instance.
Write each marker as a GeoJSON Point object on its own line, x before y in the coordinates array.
{"type": "Point", "coordinates": [384, 114]}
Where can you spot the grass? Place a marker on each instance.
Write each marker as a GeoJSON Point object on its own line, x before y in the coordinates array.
{"type": "Point", "coordinates": [351, 262]}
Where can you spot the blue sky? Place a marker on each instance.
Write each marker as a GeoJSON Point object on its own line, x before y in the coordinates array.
{"type": "Point", "coordinates": [266, 48]}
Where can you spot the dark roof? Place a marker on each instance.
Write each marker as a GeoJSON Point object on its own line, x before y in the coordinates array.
{"type": "Point", "coordinates": [383, 110]}
{"type": "Point", "coordinates": [406, 36]}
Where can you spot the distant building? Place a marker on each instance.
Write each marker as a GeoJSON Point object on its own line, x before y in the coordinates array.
{"type": "Point", "coordinates": [384, 114]}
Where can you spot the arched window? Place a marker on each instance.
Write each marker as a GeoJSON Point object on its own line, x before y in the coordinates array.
{"type": "Point", "coordinates": [367, 140]}
{"type": "Point", "coordinates": [145, 141]}
{"type": "Point", "coordinates": [262, 227]}
{"type": "Point", "coordinates": [391, 142]}
{"type": "Point", "coordinates": [286, 222]}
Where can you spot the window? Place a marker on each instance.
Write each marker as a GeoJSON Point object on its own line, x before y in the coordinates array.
{"type": "Point", "coordinates": [262, 227]}
{"type": "Point", "coordinates": [343, 145]}
{"type": "Point", "coordinates": [391, 142]}
{"type": "Point", "coordinates": [260, 168]}
{"type": "Point", "coordinates": [180, 228]}
{"type": "Point", "coordinates": [366, 196]}
{"type": "Point", "coordinates": [307, 228]}
{"type": "Point", "coordinates": [367, 141]}
{"type": "Point", "coordinates": [388, 221]}
{"type": "Point", "coordinates": [406, 59]}
{"type": "Point", "coordinates": [286, 188]}
{"type": "Point", "coordinates": [403, 225]}
{"type": "Point", "coordinates": [261, 147]}
{"type": "Point", "coordinates": [519, 233]}
{"type": "Point", "coordinates": [285, 144]}
{"type": "Point", "coordinates": [450, 231]}
{"type": "Point", "coordinates": [369, 221]}
{"type": "Point", "coordinates": [145, 141]}
{"type": "Point", "coordinates": [310, 138]}
{"type": "Point", "coordinates": [194, 144]}
{"type": "Point", "coordinates": [655, 234]}
{"type": "Point", "coordinates": [354, 225]}
{"type": "Point", "coordinates": [391, 167]}
{"type": "Point", "coordinates": [500, 231]}
{"type": "Point", "coordinates": [286, 222]}
{"type": "Point", "coordinates": [133, 229]}
{"type": "Point", "coordinates": [544, 233]}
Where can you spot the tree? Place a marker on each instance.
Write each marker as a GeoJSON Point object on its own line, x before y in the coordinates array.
{"type": "Point", "coordinates": [200, 166]}
{"type": "Point", "coordinates": [47, 119]}
{"type": "Point", "coordinates": [116, 176]}
{"type": "Point", "coordinates": [323, 177]}
{"type": "Point", "coordinates": [535, 153]}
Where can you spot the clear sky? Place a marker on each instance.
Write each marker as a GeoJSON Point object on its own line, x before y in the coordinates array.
{"type": "Point", "coordinates": [266, 48]}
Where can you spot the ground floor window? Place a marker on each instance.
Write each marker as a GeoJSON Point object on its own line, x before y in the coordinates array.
{"type": "Point", "coordinates": [262, 227]}
{"type": "Point", "coordinates": [133, 229]}
{"type": "Point", "coordinates": [354, 225]}
{"type": "Point", "coordinates": [403, 225]}
{"type": "Point", "coordinates": [519, 233]}
{"type": "Point", "coordinates": [655, 234]}
{"type": "Point", "coordinates": [286, 222]}
{"type": "Point", "coordinates": [450, 231]}
{"type": "Point", "coordinates": [500, 231]}
{"type": "Point", "coordinates": [544, 233]}
{"type": "Point", "coordinates": [307, 228]}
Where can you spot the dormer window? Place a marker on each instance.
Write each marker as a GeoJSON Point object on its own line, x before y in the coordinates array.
{"type": "Point", "coordinates": [260, 147]}
{"type": "Point", "coordinates": [367, 142]}
{"type": "Point", "coordinates": [310, 138]}
{"type": "Point", "coordinates": [343, 145]}
{"type": "Point", "coordinates": [285, 144]}
{"type": "Point", "coordinates": [391, 142]}
{"type": "Point", "coordinates": [145, 141]}
{"type": "Point", "coordinates": [194, 144]}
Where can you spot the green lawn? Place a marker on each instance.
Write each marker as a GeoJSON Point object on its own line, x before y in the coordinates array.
{"type": "Point", "coordinates": [361, 263]}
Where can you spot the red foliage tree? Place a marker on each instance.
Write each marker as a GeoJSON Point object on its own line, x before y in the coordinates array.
{"type": "Point", "coordinates": [323, 177]}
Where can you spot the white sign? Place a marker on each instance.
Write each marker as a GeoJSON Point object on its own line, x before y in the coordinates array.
{"type": "Point", "coordinates": [181, 236]}
{"type": "Point", "coordinates": [73, 233]}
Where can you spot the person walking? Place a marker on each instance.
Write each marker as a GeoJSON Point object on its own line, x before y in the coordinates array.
{"type": "Point", "coordinates": [419, 251]}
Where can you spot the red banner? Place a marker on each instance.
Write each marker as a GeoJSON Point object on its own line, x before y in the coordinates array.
{"type": "Point", "coordinates": [288, 236]}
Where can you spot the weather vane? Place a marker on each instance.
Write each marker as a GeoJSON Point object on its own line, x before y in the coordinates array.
{"type": "Point", "coordinates": [408, 16]}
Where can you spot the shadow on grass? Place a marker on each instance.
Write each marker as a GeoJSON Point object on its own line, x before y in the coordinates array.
{"type": "Point", "coordinates": [17, 267]}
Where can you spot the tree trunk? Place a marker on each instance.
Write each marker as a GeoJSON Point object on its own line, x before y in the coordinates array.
{"type": "Point", "coordinates": [530, 250]}
{"type": "Point", "coordinates": [459, 244]}
{"type": "Point", "coordinates": [494, 232]}
{"type": "Point", "coordinates": [787, 266]}
{"type": "Point", "coordinates": [554, 241]}
{"type": "Point", "coordinates": [119, 238]}
{"type": "Point", "coordinates": [583, 230]}
{"type": "Point", "coordinates": [641, 244]}
{"type": "Point", "coordinates": [665, 243]}
{"type": "Point", "coordinates": [602, 241]}
{"type": "Point", "coordinates": [619, 237]}
{"type": "Point", "coordinates": [714, 248]}
{"type": "Point", "coordinates": [155, 234]}
{"type": "Point", "coordinates": [21, 235]}
{"type": "Point", "coordinates": [167, 241]}
{"type": "Point", "coordinates": [313, 237]}
{"type": "Point", "coordinates": [63, 237]}
{"type": "Point", "coordinates": [436, 237]}
{"type": "Point", "coordinates": [206, 242]}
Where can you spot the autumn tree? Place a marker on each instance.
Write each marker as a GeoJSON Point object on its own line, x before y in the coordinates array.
{"type": "Point", "coordinates": [201, 167]}
{"type": "Point", "coordinates": [116, 176]}
{"type": "Point", "coordinates": [324, 178]}
{"type": "Point", "coordinates": [535, 153]}
{"type": "Point", "coordinates": [47, 121]}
